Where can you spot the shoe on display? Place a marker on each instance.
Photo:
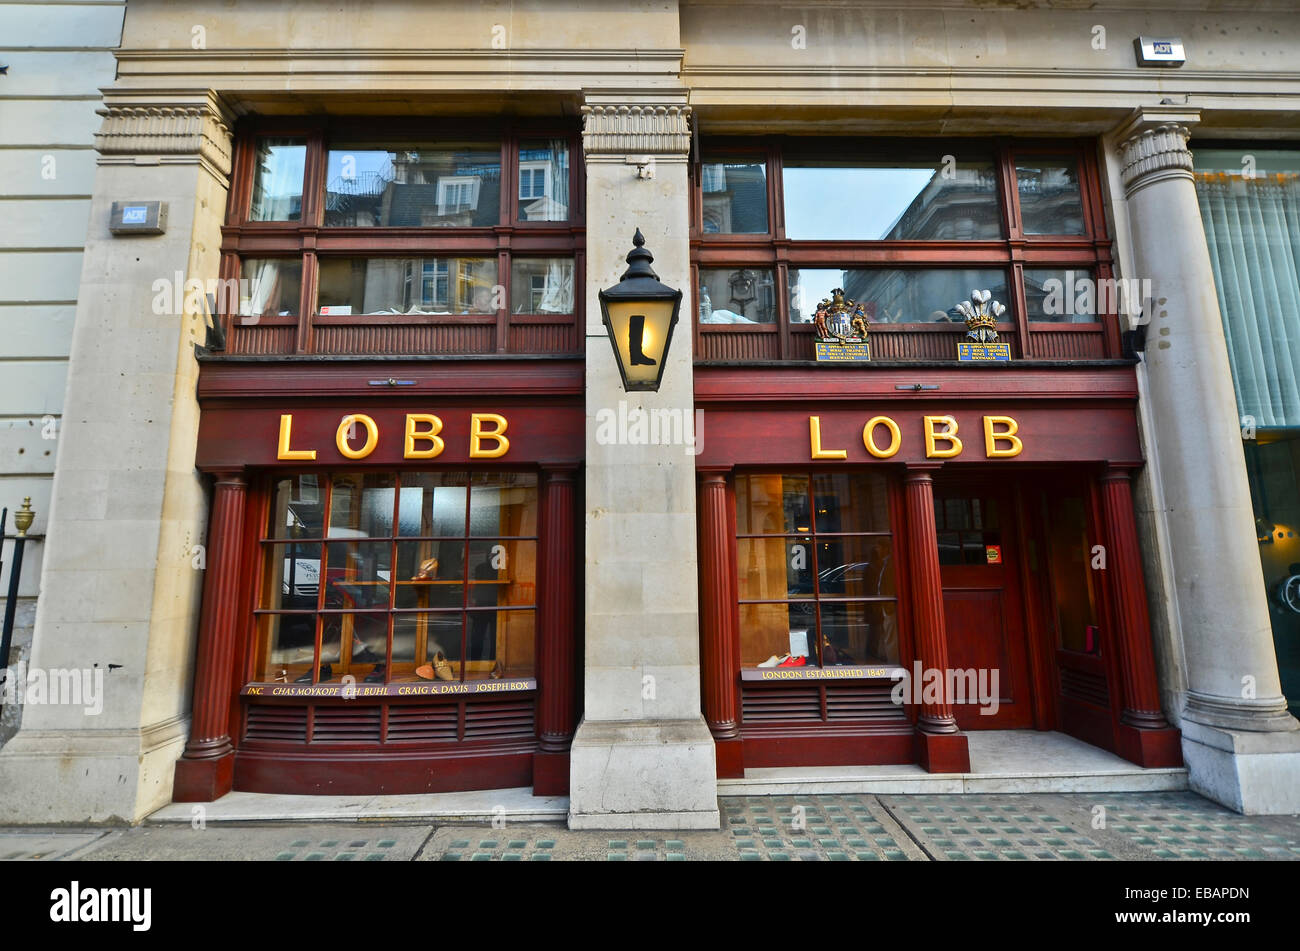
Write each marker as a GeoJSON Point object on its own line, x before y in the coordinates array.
{"type": "Point", "coordinates": [442, 667]}
{"type": "Point", "coordinates": [326, 673]}
{"type": "Point", "coordinates": [425, 672]}
{"type": "Point", "coordinates": [793, 661]}
{"type": "Point", "coordinates": [376, 676]}
{"type": "Point", "coordinates": [775, 661]}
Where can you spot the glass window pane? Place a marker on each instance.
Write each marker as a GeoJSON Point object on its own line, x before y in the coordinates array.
{"type": "Point", "coordinates": [541, 286]}
{"type": "Point", "coordinates": [862, 632]}
{"type": "Point", "coordinates": [503, 504]}
{"type": "Point", "coordinates": [434, 285]}
{"type": "Point", "coordinates": [499, 644]}
{"type": "Point", "coordinates": [292, 576]}
{"type": "Point", "coordinates": [895, 296]}
{"type": "Point", "coordinates": [430, 574]}
{"type": "Point", "coordinates": [772, 504]}
{"type": "Point", "coordinates": [772, 568]}
{"type": "Point", "coordinates": [357, 575]}
{"type": "Point", "coordinates": [893, 200]}
{"type": "Point", "coordinates": [855, 567]}
{"type": "Point", "coordinates": [1067, 296]}
{"type": "Point", "coordinates": [1049, 194]}
{"type": "Point", "coordinates": [297, 507]}
{"type": "Point", "coordinates": [269, 287]}
{"type": "Point", "coordinates": [737, 296]}
{"type": "Point", "coordinates": [361, 505]}
{"type": "Point", "coordinates": [413, 185]}
{"type": "Point", "coordinates": [851, 503]}
{"type": "Point", "coordinates": [437, 638]}
{"type": "Point", "coordinates": [277, 179]}
{"type": "Point", "coordinates": [502, 573]}
{"type": "Point", "coordinates": [433, 503]}
{"type": "Point", "coordinates": [543, 180]}
{"type": "Point", "coordinates": [291, 647]}
{"type": "Point", "coordinates": [352, 644]}
{"type": "Point", "coordinates": [769, 632]}
{"type": "Point", "coordinates": [734, 191]}
{"type": "Point", "coordinates": [1068, 555]}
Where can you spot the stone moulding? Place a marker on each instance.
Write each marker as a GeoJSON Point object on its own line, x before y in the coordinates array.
{"type": "Point", "coordinates": [635, 128]}
{"type": "Point", "coordinates": [190, 130]}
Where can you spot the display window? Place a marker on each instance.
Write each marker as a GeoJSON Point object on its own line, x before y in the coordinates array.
{"type": "Point", "coordinates": [908, 230]}
{"type": "Point", "coordinates": [398, 577]}
{"type": "Point", "coordinates": [815, 569]}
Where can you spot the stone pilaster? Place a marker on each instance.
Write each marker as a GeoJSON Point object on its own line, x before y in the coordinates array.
{"type": "Point", "coordinates": [642, 756]}
{"type": "Point", "coordinates": [1240, 745]}
{"type": "Point", "coordinates": [125, 558]}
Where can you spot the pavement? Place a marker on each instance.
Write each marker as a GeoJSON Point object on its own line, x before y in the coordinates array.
{"type": "Point", "coordinates": [851, 827]}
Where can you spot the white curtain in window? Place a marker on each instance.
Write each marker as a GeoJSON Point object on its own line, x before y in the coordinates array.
{"type": "Point", "coordinates": [560, 178]}
{"type": "Point", "coordinates": [1252, 227]}
{"type": "Point", "coordinates": [263, 298]}
{"type": "Point", "coordinates": [557, 292]}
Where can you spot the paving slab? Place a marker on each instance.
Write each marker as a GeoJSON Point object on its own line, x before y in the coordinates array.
{"type": "Point", "coordinates": [278, 842]}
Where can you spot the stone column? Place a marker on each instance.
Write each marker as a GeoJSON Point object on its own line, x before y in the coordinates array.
{"type": "Point", "coordinates": [207, 768]}
{"type": "Point", "coordinates": [124, 557]}
{"type": "Point", "coordinates": [717, 622]}
{"type": "Point", "coordinates": [555, 673]}
{"type": "Point", "coordinates": [1241, 746]}
{"type": "Point", "coordinates": [642, 756]}
{"type": "Point", "coordinates": [1144, 735]}
{"type": "Point", "coordinates": [940, 746]}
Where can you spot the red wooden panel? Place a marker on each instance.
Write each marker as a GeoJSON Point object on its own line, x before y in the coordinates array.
{"type": "Point", "coordinates": [721, 345]}
{"type": "Point", "coordinates": [544, 338]}
{"type": "Point", "coordinates": [408, 339]}
{"type": "Point", "coordinates": [261, 340]}
{"type": "Point", "coordinates": [1072, 345]}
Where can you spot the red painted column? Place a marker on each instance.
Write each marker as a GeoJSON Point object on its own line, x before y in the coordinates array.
{"type": "Point", "coordinates": [1143, 735]}
{"type": "Point", "coordinates": [206, 769]}
{"type": "Point", "coordinates": [940, 746]}
{"type": "Point", "coordinates": [718, 623]}
{"type": "Point", "coordinates": [556, 684]}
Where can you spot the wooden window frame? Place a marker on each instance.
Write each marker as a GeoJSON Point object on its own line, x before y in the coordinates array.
{"type": "Point", "coordinates": [311, 240]}
{"type": "Point", "coordinates": [1012, 253]}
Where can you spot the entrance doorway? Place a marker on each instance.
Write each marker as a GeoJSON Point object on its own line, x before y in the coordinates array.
{"type": "Point", "coordinates": [979, 537]}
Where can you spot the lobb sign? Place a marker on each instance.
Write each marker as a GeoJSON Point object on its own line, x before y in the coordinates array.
{"type": "Point", "coordinates": [882, 438]}
{"type": "Point", "coordinates": [421, 439]}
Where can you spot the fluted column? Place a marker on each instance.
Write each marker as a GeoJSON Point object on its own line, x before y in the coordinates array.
{"type": "Point", "coordinates": [1234, 707]}
{"type": "Point", "coordinates": [555, 671]}
{"type": "Point", "coordinates": [206, 769]}
{"type": "Point", "coordinates": [1145, 736]}
{"type": "Point", "coordinates": [717, 623]}
{"type": "Point", "coordinates": [940, 746]}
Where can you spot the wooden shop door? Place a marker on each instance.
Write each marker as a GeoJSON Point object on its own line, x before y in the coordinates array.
{"type": "Point", "coordinates": [979, 551]}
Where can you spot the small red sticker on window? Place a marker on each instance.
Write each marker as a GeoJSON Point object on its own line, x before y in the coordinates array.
{"type": "Point", "coordinates": [993, 554]}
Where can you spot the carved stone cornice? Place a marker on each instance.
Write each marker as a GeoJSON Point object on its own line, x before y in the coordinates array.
{"type": "Point", "coordinates": [636, 124]}
{"type": "Point", "coordinates": [1153, 145]}
{"type": "Point", "coordinates": [178, 132]}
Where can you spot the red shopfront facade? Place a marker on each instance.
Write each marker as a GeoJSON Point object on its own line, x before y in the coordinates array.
{"type": "Point", "coordinates": [968, 525]}
{"type": "Point", "coordinates": [393, 423]}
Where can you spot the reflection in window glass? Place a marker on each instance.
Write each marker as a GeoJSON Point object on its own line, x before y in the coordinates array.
{"type": "Point", "coordinates": [543, 180]}
{"type": "Point", "coordinates": [413, 185]}
{"type": "Point", "coordinates": [891, 200]}
{"type": "Point", "coordinates": [735, 195]}
{"type": "Point", "coordinates": [541, 286]}
{"type": "Point", "coordinates": [270, 287]}
{"type": "Point", "coordinates": [1068, 296]}
{"type": "Point", "coordinates": [821, 597]}
{"type": "Point", "coordinates": [737, 296]}
{"type": "Point", "coordinates": [896, 296]}
{"type": "Point", "coordinates": [372, 286]}
{"type": "Point", "coordinates": [1049, 195]}
{"type": "Point", "coordinates": [277, 180]}
{"type": "Point", "coordinates": [1068, 552]}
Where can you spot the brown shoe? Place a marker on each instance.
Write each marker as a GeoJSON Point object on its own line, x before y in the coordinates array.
{"type": "Point", "coordinates": [425, 672]}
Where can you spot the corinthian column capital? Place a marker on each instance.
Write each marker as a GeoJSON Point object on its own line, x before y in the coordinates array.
{"type": "Point", "coordinates": [166, 131]}
{"type": "Point", "coordinates": [1152, 145]}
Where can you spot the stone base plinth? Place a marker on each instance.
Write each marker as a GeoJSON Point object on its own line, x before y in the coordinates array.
{"type": "Point", "coordinates": [643, 774]}
{"type": "Point", "coordinates": [1257, 774]}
